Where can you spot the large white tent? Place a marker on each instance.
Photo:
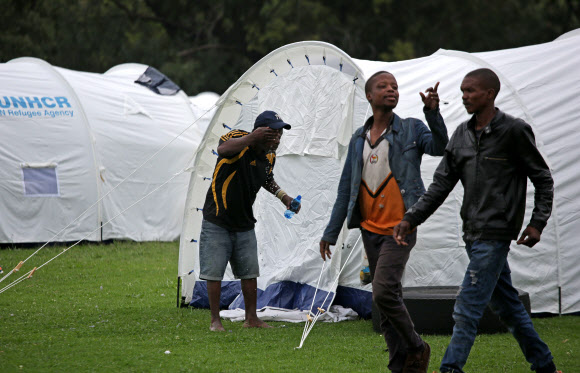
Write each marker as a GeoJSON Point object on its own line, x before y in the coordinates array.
{"type": "Point", "coordinates": [319, 90]}
{"type": "Point", "coordinates": [69, 138]}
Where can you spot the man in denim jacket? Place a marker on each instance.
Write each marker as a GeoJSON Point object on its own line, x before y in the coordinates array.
{"type": "Point", "coordinates": [381, 179]}
{"type": "Point", "coordinates": [493, 154]}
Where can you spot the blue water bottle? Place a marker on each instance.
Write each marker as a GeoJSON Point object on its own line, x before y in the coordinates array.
{"type": "Point", "coordinates": [294, 205]}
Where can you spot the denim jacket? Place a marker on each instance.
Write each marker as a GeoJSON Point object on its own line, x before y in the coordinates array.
{"type": "Point", "coordinates": [408, 140]}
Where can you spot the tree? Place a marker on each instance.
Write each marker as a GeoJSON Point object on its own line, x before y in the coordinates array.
{"type": "Point", "coordinates": [207, 44]}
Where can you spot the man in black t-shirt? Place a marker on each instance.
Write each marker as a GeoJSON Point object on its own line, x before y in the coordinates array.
{"type": "Point", "coordinates": [245, 164]}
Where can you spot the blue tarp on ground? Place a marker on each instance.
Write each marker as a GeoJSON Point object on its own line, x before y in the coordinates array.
{"type": "Point", "coordinates": [288, 295]}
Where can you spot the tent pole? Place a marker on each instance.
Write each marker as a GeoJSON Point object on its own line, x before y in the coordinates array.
{"type": "Point", "coordinates": [178, 288]}
{"type": "Point", "coordinates": [559, 301]}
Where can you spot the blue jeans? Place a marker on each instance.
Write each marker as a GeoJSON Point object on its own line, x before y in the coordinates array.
{"type": "Point", "coordinates": [488, 280]}
{"type": "Point", "coordinates": [217, 246]}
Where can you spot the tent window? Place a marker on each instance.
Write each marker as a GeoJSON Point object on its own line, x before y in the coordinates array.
{"type": "Point", "coordinates": [40, 181]}
{"type": "Point", "coordinates": [157, 82]}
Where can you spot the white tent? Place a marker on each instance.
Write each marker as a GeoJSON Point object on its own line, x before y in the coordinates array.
{"type": "Point", "coordinates": [204, 100]}
{"type": "Point", "coordinates": [318, 89]}
{"type": "Point", "coordinates": [311, 85]}
{"type": "Point", "coordinates": [203, 107]}
{"type": "Point", "coordinates": [70, 137]}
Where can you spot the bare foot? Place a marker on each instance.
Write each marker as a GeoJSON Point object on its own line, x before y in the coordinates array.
{"type": "Point", "coordinates": [216, 326]}
{"type": "Point", "coordinates": [255, 323]}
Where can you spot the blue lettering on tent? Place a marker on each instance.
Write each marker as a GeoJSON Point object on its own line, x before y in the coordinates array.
{"type": "Point", "coordinates": [45, 99]}
{"type": "Point", "coordinates": [33, 100]}
{"type": "Point", "coordinates": [61, 101]}
{"type": "Point", "coordinates": [18, 101]}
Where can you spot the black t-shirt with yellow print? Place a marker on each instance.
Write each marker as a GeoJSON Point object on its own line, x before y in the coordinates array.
{"type": "Point", "coordinates": [236, 181]}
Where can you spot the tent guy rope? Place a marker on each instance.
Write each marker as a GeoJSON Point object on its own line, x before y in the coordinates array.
{"type": "Point", "coordinates": [17, 268]}
{"type": "Point", "coordinates": [311, 321]}
{"type": "Point", "coordinates": [31, 272]}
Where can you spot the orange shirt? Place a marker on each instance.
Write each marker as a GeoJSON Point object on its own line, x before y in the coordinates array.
{"type": "Point", "coordinates": [380, 201]}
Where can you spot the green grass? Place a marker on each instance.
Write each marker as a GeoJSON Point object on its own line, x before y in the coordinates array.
{"type": "Point", "coordinates": [104, 308]}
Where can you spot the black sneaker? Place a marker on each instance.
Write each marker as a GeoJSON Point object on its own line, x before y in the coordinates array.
{"type": "Point", "coordinates": [550, 368]}
{"type": "Point", "coordinates": [418, 362]}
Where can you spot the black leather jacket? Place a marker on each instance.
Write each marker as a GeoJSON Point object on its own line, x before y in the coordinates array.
{"type": "Point", "coordinates": [493, 171]}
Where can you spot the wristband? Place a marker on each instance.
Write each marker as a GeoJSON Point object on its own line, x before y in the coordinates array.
{"type": "Point", "coordinates": [280, 194]}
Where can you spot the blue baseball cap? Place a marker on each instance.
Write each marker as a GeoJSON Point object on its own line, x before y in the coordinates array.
{"type": "Point", "coordinates": [270, 119]}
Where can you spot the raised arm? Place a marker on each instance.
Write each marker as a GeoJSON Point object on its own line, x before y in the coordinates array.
{"type": "Point", "coordinates": [233, 144]}
{"type": "Point", "coordinates": [432, 142]}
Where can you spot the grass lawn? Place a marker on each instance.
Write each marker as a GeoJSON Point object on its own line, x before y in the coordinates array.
{"type": "Point", "coordinates": [105, 308]}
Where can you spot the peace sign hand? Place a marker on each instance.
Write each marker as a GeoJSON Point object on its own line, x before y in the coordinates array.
{"type": "Point", "coordinates": [431, 100]}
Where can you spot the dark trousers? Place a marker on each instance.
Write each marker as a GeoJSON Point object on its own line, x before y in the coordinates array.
{"type": "Point", "coordinates": [387, 261]}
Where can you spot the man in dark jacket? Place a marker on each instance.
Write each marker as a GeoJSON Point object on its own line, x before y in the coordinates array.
{"type": "Point", "coordinates": [380, 180]}
{"type": "Point", "coordinates": [492, 154]}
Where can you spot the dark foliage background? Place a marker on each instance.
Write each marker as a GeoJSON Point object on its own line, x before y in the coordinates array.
{"type": "Point", "coordinates": [205, 45]}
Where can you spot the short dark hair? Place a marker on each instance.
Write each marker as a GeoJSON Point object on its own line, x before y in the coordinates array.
{"type": "Point", "coordinates": [487, 77]}
{"type": "Point", "coordinates": [371, 80]}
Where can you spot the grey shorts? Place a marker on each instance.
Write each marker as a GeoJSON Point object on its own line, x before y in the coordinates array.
{"type": "Point", "coordinates": [217, 246]}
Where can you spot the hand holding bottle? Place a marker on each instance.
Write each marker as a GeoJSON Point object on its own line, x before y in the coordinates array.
{"type": "Point", "coordinates": [294, 207]}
